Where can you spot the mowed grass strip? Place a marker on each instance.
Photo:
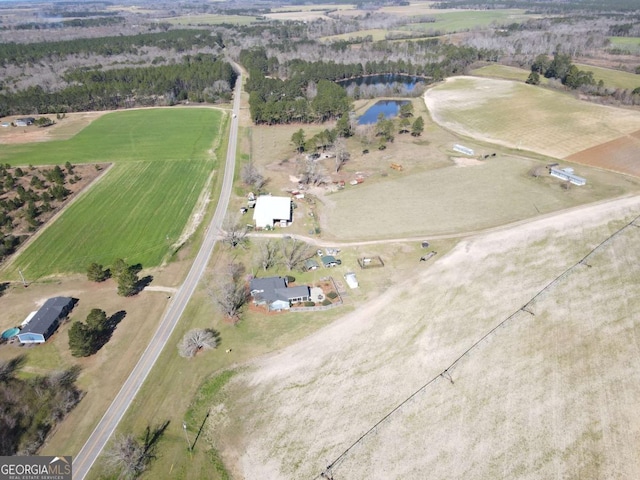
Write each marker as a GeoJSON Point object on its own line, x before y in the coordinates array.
{"type": "Point", "coordinates": [612, 78]}
{"type": "Point", "coordinates": [139, 209]}
{"type": "Point", "coordinates": [527, 117]}
{"type": "Point", "coordinates": [627, 44]}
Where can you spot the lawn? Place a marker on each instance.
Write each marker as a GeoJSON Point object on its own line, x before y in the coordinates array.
{"type": "Point", "coordinates": [376, 34]}
{"type": "Point", "coordinates": [504, 72]}
{"type": "Point", "coordinates": [526, 117]}
{"type": "Point", "coordinates": [457, 21]}
{"type": "Point", "coordinates": [628, 44]}
{"type": "Point", "coordinates": [613, 78]}
{"type": "Point", "coordinates": [140, 207]}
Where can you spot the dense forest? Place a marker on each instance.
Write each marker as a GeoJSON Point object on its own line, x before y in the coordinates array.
{"type": "Point", "coordinates": [304, 96]}
{"type": "Point", "coordinates": [30, 409]}
{"type": "Point", "coordinates": [178, 40]}
{"type": "Point", "coordinates": [199, 78]}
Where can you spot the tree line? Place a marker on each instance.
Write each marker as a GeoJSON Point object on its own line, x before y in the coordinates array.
{"type": "Point", "coordinates": [75, 22]}
{"type": "Point", "coordinates": [198, 78]}
{"type": "Point", "coordinates": [178, 40]}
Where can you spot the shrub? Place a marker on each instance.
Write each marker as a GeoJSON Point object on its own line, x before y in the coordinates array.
{"type": "Point", "coordinates": [326, 302]}
{"type": "Point", "coordinates": [309, 304]}
{"type": "Point", "coordinates": [332, 295]}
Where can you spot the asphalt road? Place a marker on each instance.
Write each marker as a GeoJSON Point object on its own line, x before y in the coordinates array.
{"type": "Point", "coordinates": [91, 450]}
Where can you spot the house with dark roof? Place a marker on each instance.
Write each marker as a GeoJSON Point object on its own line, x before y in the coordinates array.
{"type": "Point", "coordinates": [46, 320]}
{"type": "Point", "coordinates": [275, 293]}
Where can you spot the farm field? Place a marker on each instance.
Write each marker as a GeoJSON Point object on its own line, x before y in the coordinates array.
{"type": "Point", "coordinates": [505, 72]}
{"type": "Point", "coordinates": [555, 124]}
{"type": "Point", "coordinates": [456, 21]}
{"type": "Point", "coordinates": [456, 199]}
{"type": "Point", "coordinates": [138, 210]}
{"type": "Point", "coordinates": [376, 33]}
{"type": "Point", "coordinates": [628, 44]}
{"type": "Point", "coordinates": [620, 155]}
{"type": "Point", "coordinates": [212, 19]}
{"type": "Point", "coordinates": [292, 413]}
{"type": "Point", "coordinates": [613, 78]}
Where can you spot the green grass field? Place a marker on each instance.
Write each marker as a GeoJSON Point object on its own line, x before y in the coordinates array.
{"type": "Point", "coordinates": [613, 78]}
{"type": "Point", "coordinates": [141, 205]}
{"type": "Point", "coordinates": [629, 44]}
{"type": "Point", "coordinates": [505, 72]}
{"type": "Point", "coordinates": [527, 117]}
{"type": "Point", "coordinates": [450, 22]}
{"type": "Point", "coordinates": [213, 19]}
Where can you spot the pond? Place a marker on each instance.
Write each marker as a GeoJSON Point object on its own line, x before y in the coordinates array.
{"type": "Point", "coordinates": [389, 108]}
{"type": "Point", "coordinates": [386, 80]}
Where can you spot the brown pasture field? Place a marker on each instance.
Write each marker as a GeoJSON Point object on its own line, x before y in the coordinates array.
{"type": "Point", "coordinates": [550, 394]}
{"type": "Point", "coordinates": [620, 155]}
{"type": "Point", "coordinates": [63, 129]}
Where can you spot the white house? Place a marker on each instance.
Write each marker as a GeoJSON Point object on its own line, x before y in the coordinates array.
{"type": "Point", "coordinates": [270, 210]}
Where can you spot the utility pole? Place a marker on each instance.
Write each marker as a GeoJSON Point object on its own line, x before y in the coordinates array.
{"type": "Point", "coordinates": [186, 436]}
{"type": "Point", "coordinates": [24, 282]}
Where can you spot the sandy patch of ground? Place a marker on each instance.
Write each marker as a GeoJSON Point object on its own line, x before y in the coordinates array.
{"type": "Point", "coordinates": [548, 396]}
{"type": "Point", "coordinates": [63, 129]}
{"type": "Point", "coordinates": [466, 161]}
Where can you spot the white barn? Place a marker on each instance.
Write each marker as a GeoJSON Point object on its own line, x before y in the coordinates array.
{"type": "Point", "coordinates": [271, 210]}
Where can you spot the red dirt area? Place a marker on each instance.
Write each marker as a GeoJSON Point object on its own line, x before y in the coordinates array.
{"type": "Point", "coordinates": [620, 155]}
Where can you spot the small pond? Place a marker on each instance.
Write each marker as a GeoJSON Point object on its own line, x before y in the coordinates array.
{"type": "Point", "coordinates": [387, 80]}
{"type": "Point", "coordinates": [389, 108]}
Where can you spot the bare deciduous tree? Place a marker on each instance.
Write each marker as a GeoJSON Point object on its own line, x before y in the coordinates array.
{"type": "Point", "coordinates": [229, 293]}
{"type": "Point", "coordinates": [251, 176]}
{"type": "Point", "coordinates": [342, 154]}
{"type": "Point", "coordinates": [267, 254]}
{"type": "Point", "coordinates": [234, 232]}
{"type": "Point", "coordinates": [128, 456]}
{"type": "Point", "coordinates": [294, 252]}
{"type": "Point", "coordinates": [537, 171]}
{"type": "Point", "coordinates": [311, 172]}
{"type": "Point", "coordinates": [196, 340]}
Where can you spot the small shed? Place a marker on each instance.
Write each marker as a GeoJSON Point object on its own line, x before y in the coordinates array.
{"type": "Point", "coordinates": [329, 261]}
{"type": "Point", "coordinates": [46, 320]}
{"type": "Point", "coordinates": [311, 264]}
{"type": "Point", "coordinates": [351, 280]}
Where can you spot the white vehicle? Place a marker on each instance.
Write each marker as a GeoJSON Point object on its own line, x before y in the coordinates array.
{"type": "Point", "coordinates": [234, 115]}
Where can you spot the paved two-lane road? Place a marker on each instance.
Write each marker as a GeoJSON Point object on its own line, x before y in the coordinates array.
{"type": "Point", "coordinates": [84, 460]}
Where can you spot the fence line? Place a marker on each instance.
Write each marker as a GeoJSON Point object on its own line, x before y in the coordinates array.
{"type": "Point", "coordinates": [327, 473]}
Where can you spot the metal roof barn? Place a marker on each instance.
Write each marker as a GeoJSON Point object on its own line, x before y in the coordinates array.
{"type": "Point", "coordinates": [270, 209]}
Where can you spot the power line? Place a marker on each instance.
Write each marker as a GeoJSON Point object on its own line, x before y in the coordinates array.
{"type": "Point", "coordinates": [327, 473]}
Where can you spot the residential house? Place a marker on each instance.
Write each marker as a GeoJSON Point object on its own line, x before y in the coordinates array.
{"type": "Point", "coordinates": [275, 293]}
{"type": "Point", "coordinates": [46, 320]}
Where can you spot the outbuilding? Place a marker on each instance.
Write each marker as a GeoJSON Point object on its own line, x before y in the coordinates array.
{"type": "Point", "coordinates": [46, 320]}
{"type": "Point", "coordinates": [330, 261]}
{"type": "Point", "coordinates": [270, 210]}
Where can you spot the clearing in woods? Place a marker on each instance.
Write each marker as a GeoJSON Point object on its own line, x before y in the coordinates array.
{"type": "Point", "coordinates": [526, 117]}
{"type": "Point", "coordinates": [140, 207]}
{"type": "Point", "coordinates": [511, 412]}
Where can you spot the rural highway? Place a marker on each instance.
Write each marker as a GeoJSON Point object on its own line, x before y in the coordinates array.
{"type": "Point", "coordinates": [91, 450]}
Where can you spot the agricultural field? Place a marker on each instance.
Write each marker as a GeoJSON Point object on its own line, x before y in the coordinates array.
{"type": "Point", "coordinates": [457, 21]}
{"type": "Point", "coordinates": [376, 33]}
{"type": "Point", "coordinates": [290, 414]}
{"type": "Point", "coordinates": [613, 78]}
{"type": "Point", "coordinates": [555, 124]}
{"type": "Point", "coordinates": [138, 210]}
{"type": "Point", "coordinates": [627, 44]}
{"type": "Point", "coordinates": [468, 195]}
{"type": "Point", "coordinates": [212, 19]}
{"type": "Point", "coordinates": [505, 72]}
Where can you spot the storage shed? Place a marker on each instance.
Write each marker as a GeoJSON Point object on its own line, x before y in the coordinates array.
{"type": "Point", "coordinates": [270, 210]}
{"type": "Point", "coordinates": [46, 320]}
